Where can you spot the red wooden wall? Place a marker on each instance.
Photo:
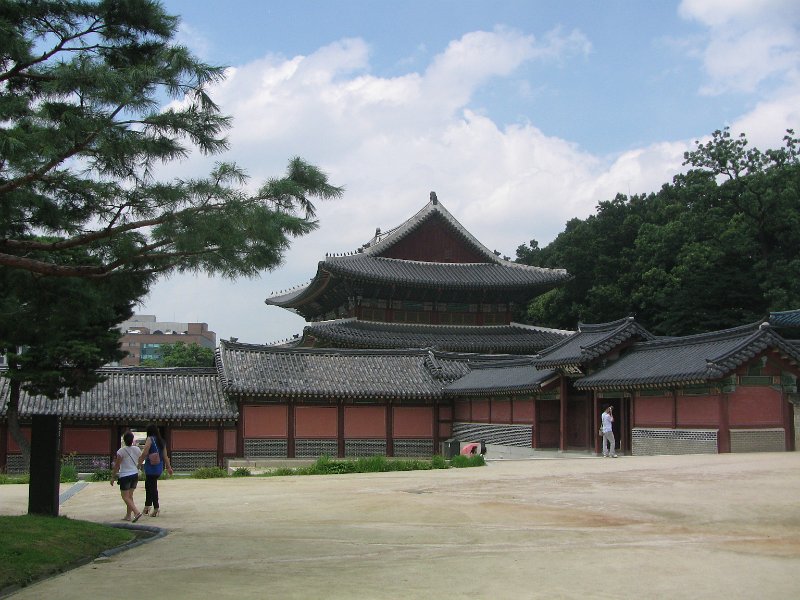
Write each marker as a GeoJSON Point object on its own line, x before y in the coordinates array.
{"type": "Point", "coordinates": [434, 241]}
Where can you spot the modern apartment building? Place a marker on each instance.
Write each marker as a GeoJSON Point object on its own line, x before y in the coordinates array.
{"type": "Point", "coordinates": [143, 334]}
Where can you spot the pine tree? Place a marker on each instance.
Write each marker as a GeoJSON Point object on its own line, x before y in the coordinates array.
{"type": "Point", "coordinates": [83, 137]}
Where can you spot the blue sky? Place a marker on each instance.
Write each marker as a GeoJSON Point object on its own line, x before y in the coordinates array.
{"type": "Point", "coordinates": [520, 115]}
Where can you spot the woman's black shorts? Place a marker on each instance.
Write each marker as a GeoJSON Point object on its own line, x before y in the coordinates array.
{"type": "Point", "coordinates": [128, 482]}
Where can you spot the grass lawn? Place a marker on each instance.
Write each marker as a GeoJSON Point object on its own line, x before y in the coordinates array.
{"type": "Point", "coordinates": [32, 547]}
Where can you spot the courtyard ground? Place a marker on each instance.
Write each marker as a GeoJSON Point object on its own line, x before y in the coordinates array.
{"type": "Point", "coordinates": [719, 526]}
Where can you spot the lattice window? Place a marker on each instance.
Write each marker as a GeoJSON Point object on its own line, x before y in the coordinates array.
{"type": "Point", "coordinates": [182, 460]}
{"type": "Point", "coordinates": [358, 448]}
{"type": "Point", "coordinates": [758, 440]}
{"type": "Point", "coordinates": [15, 465]}
{"type": "Point", "coordinates": [503, 435]}
{"type": "Point", "coordinates": [315, 448]}
{"type": "Point", "coordinates": [673, 441]}
{"type": "Point", "coordinates": [91, 463]}
{"type": "Point", "coordinates": [417, 448]}
{"type": "Point", "coordinates": [260, 448]}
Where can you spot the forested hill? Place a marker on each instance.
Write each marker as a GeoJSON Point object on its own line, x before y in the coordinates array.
{"type": "Point", "coordinates": [717, 247]}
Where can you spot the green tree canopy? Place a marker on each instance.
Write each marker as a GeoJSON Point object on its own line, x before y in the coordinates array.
{"type": "Point", "coordinates": [719, 246]}
{"type": "Point", "coordinates": [89, 216]}
{"type": "Point", "coordinates": [182, 355]}
{"type": "Point", "coordinates": [83, 134]}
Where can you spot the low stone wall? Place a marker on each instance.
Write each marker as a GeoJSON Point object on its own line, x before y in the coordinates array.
{"type": "Point", "coordinates": [652, 441]}
{"type": "Point", "coordinates": [184, 460]}
{"type": "Point", "coordinates": [505, 435]}
{"type": "Point", "coordinates": [359, 448]}
{"type": "Point", "coordinates": [758, 440]}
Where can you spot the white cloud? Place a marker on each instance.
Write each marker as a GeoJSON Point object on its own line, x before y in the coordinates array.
{"type": "Point", "coordinates": [191, 38]}
{"type": "Point", "coordinates": [391, 140]}
{"type": "Point", "coordinates": [748, 41]}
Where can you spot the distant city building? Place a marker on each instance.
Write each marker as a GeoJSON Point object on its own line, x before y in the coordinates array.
{"type": "Point", "coordinates": [143, 335]}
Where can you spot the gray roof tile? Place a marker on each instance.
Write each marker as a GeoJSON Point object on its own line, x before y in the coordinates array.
{"type": "Point", "coordinates": [496, 381]}
{"type": "Point", "coordinates": [138, 393]}
{"type": "Point", "coordinates": [269, 371]}
{"type": "Point", "coordinates": [590, 342]}
{"type": "Point", "coordinates": [368, 265]}
{"type": "Point", "coordinates": [509, 339]}
{"type": "Point", "coordinates": [688, 360]}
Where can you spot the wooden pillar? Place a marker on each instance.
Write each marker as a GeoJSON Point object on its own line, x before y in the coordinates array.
{"type": "Point", "coordinates": [534, 426]}
{"type": "Point", "coordinates": [624, 426]}
{"type": "Point", "coordinates": [340, 429]}
{"type": "Point", "coordinates": [389, 429]}
{"type": "Point", "coordinates": [45, 465]}
{"type": "Point", "coordinates": [562, 422]}
{"type": "Point", "coordinates": [596, 422]}
{"type": "Point", "coordinates": [788, 421]}
{"type": "Point", "coordinates": [436, 439]}
{"type": "Point", "coordinates": [289, 429]}
{"type": "Point", "coordinates": [3, 447]}
{"type": "Point", "coordinates": [220, 445]}
{"type": "Point", "coordinates": [675, 409]}
{"type": "Point", "coordinates": [634, 395]}
{"type": "Point", "coordinates": [240, 430]}
{"type": "Point", "coordinates": [724, 435]}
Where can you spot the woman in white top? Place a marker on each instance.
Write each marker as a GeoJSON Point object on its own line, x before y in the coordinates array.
{"type": "Point", "coordinates": [126, 468]}
{"type": "Point", "coordinates": [608, 433]}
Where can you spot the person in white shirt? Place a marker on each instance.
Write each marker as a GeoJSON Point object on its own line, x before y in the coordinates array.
{"type": "Point", "coordinates": [126, 468]}
{"type": "Point", "coordinates": [608, 441]}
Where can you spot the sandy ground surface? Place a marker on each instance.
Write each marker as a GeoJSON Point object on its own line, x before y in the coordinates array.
{"type": "Point", "coordinates": [722, 526]}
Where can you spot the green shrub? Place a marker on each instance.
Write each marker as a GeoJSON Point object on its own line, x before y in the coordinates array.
{"type": "Point", "coordinates": [8, 479]}
{"type": "Point", "coordinates": [69, 472]}
{"type": "Point", "coordinates": [241, 472]}
{"type": "Point", "coordinates": [372, 464]}
{"type": "Point", "coordinates": [324, 465]}
{"type": "Point", "coordinates": [209, 473]}
{"type": "Point", "coordinates": [461, 461]}
{"type": "Point", "coordinates": [282, 471]}
{"type": "Point", "coordinates": [101, 475]}
{"type": "Point", "coordinates": [438, 462]}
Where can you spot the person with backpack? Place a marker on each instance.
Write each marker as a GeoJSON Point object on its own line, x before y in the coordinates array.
{"type": "Point", "coordinates": [126, 472]}
{"type": "Point", "coordinates": [155, 459]}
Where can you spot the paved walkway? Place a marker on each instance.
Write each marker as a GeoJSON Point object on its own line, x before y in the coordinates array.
{"type": "Point", "coordinates": [722, 526]}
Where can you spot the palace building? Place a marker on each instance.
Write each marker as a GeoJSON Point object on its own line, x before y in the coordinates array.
{"type": "Point", "coordinates": [411, 341]}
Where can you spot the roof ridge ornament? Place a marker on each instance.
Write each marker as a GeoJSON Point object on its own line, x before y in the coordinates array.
{"type": "Point", "coordinates": [434, 199]}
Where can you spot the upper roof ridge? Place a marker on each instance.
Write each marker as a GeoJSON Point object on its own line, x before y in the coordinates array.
{"type": "Point", "coordinates": [698, 338]}
{"type": "Point", "coordinates": [382, 241]}
{"type": "Point", "coordinates": [233, 346]}
{"type": "Point", "coordinates": [610, 326]}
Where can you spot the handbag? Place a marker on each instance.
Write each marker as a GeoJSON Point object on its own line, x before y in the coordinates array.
{"type": "Point", "coordinates": [600, 433]}
{"type": "Point", "coordinates": [154, 457]}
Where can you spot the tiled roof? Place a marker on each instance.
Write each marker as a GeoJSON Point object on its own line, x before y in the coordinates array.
{"type": "Point", "coordinates": [268, 371]}
{"type": "Point", "coordinates": [590, 342]}
{"type": "Point", "coordinates": [383, 241]}
{"type": "Point", "coordinates": [500, 274]}
{"type": "Point", "coordinates": [511, 339]}
{"type": "Point", "coordinates": [512, 378]}
{"type": "Point", "coordinates": [786, 318]}
{"type": "Point", "coordinates": [253, 370]}
{"type": "Point", "coordinates": [138, 393]}
{"type": "Point", "coordinates": [369, 266]}
{"type": "Point", "coordinates": [376, 270]}
{"type": "Point", "coordinates": [688, 360]}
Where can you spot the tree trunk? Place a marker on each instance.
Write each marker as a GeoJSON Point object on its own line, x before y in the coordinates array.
{"type": "Point", "coordinates": [13, 423]}
{"type": "Point", "coordinates": [45, 465]}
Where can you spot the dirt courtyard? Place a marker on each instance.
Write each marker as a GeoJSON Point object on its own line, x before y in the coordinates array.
{"type": "Point", "coordinates": [718, 526]}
